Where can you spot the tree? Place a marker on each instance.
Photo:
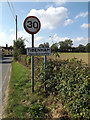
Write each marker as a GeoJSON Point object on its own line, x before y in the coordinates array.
{"type": "Point", "coordinates": [54, 47]}
{"type": "Point", "coordinates": [45, 45]}
{"type": "Point", "coordinates": [81, 48]}
{"type": "Point", "coordinates": [87, 48]}
{"type": "Point", "coordinates": [65, 45]}
{"type": "Point", "coordinates": [11, 47]}
{"type": "Point", "coordinates": [18, 48]}
{"type": "Point", "coordinates": [41, 46]}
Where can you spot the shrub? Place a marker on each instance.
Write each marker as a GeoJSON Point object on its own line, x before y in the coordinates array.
{"type": "Point", "coordinates": [70, 80]}
{"type": "Point", "coordinates": [28, 60]}
{"type": "Point", "coordinates": [22, 59]}
{"type": "Point", "coordinates": [37, 110]}
{"type": "Point", "coordinates": [19, 48]}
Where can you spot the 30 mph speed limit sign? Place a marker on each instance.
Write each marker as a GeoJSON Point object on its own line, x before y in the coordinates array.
{"type": "Point", "coordinates": [32, 24]}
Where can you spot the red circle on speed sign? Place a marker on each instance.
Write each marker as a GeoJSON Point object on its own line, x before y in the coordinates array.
{"type": "Point", "coordinates": [32, 24]}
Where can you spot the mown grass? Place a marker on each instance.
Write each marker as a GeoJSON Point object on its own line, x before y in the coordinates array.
{"type": "Point", "coordinates": [19, 93]}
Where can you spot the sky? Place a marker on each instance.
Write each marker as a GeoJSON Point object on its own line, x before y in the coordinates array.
{"type": "Point", "coordinates": [59, 21]}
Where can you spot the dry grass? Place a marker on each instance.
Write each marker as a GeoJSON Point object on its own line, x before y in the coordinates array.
{"type": "Point", "coordinates": [64, 56]}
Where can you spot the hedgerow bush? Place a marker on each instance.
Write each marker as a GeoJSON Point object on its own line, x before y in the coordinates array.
{"type": "Point", "coordinates": [28, 60]}
{"type": "Point", "coordinates": [22, 59]}
{"type": "Point", "coordinates": [37, 110]}
{"type": "Point", "coordinates": [70, 80]}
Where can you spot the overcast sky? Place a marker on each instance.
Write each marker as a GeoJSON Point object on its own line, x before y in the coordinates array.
{"type": "Point", "coordinates": [66, 20]}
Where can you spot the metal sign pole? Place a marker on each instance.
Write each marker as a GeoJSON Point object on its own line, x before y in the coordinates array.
{"type": "Point", "coordinates": [32, 25]}
{"type": "Point", "coordinates": [32, 66]}
{"type": "Point", "coordinates": [45, 60]}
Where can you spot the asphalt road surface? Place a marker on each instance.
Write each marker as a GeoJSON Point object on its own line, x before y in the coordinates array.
{"type": "Point", "coordinates": [6, 67]}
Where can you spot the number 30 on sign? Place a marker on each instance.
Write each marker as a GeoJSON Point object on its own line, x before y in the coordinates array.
{"type": "Point", "coordinates": [32, 24]}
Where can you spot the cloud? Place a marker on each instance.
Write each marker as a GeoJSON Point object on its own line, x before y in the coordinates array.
{"type": "Point", "coordinates": [22, 11]}
{"type": "Point", "coordinates": [8, 39]}
{"type": "Point", "coordinates": [68, 22]}
{"type": "Point", "coordinates": [83, 14]}
{"type": "Point", "coordinates": [38, 38]}
{"type": "Point", "coordinates": [2, 34]}
{"type": "Point", "coordinates": [51, 17]}
{"type": "Point", "coordinates": [55, 38]}
{"type": "Point", "coordinates": [2, 39]}
{"type": "Point", "coordinates": [60, 2]}
{"type": "Point", "coordinates": [5, 39]}
{"type": "Point", "coordinates": [28, 39]}
{"type": "Point", "coordinates": [12, 30]}
{"type": "Point", "coordinates": [84, 26]}
{"type": "Point", "coordinates": [79, 39]}
{"type": "Point", "coordinates": [24, 34]}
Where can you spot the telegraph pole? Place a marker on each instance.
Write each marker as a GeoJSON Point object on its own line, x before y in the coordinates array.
{"type": "Point", "coordinates": [16, 27]}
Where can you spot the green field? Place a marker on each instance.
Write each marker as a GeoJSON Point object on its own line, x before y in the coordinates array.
{"type": "Point", "coordinates": [64, 56]}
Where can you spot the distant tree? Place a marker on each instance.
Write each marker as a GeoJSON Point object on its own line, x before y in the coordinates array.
{"type": "Point", "coordinates": [54, 47]}
{"type": "Point", "coordinates": [74, 49]}
{"type": "Point", "coordinates": [45, 45]}
{"type": "Point", "coordinates": [11, 47]}
{"type": "Point", "coordinates": [81, 48]}
{"type": "Point", "coordinates": [65, 45]}
{"type": "Point", "coordinates": [19, 47]}
{"type": "Point", "coordinates": [87, 47]}
{"type": "Point", "coordinates": [41, 46]}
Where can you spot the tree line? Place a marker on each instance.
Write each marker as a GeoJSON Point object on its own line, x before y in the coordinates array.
{"type": "Point", "coordinates": [67, 46]}
{"type": "Point", "coordinates": [62, 46]}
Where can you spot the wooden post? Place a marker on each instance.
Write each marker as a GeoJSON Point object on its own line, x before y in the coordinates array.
{"type": "Point", "coordinates": [16, 27]}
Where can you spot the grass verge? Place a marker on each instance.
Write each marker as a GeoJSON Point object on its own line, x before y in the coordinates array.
{"type": "Point", "coordinates": [18, 99]}
{"type": "Point", "coordinates": [22, 103]}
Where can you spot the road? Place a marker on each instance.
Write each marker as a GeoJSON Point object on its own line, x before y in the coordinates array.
{"type": "Point", "coordinates": [5, 68]}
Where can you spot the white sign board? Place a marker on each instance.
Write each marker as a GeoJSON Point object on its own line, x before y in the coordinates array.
{"type": "Point", "coordinates": [38, 51]}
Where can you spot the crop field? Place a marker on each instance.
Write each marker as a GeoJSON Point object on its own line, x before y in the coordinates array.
{"type": "Point", "coordinates": [80, 56]}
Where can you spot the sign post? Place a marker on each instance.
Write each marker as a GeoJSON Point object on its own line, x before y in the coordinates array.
{"type": "Point", "coordinates": [32, 66]}
{"type": "Point", "coordinates": [32, 26]}
{"type": "Point", "coordinates": [45, 60]}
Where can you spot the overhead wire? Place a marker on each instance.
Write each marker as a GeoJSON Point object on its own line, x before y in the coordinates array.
{"type": "Point", "coordinates": [2, 41]}
{"type": "Point", "coordinates": [13, 8]}
{"type": "Point", "coordinates": [13, 14]}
